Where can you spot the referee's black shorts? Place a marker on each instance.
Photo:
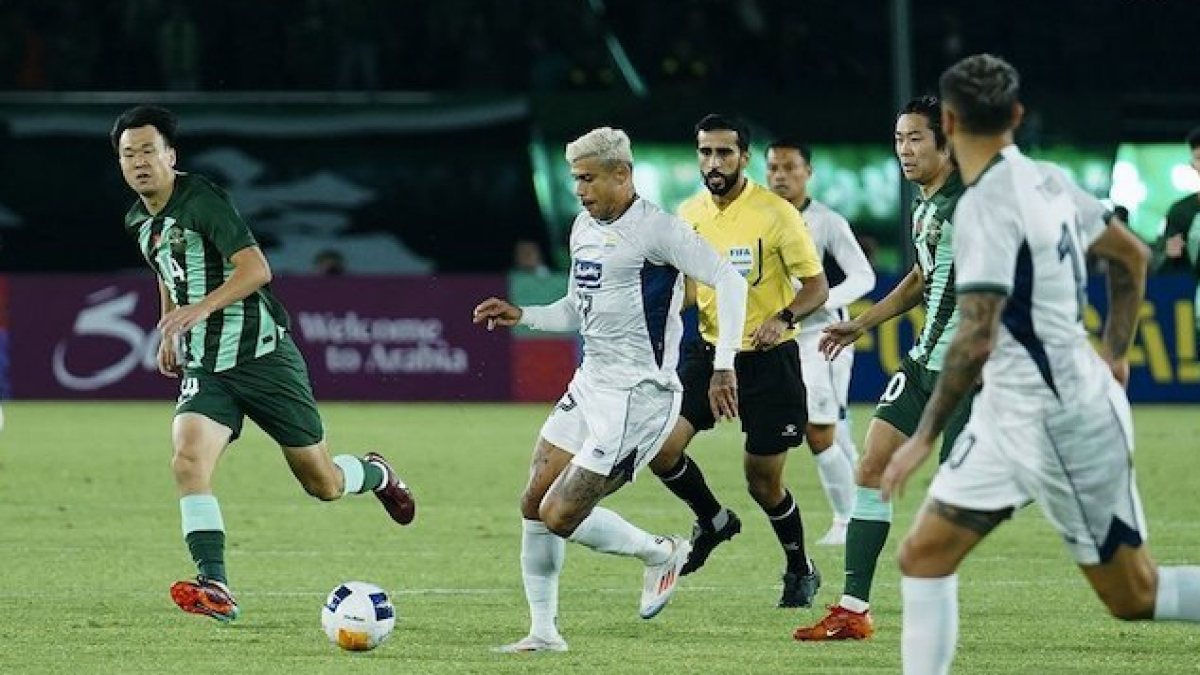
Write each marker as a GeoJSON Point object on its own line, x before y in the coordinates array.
{"type": "Point", "coordinates": [771, 397]}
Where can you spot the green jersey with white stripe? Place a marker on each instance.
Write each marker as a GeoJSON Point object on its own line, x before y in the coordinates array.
{"type": "Point", "coordinates": [933, 237]}
{"type": "Point", "coordinates": [189, 245]}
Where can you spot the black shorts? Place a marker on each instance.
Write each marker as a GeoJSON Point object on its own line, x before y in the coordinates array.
{"type": "Point", "coordinates": [771, 398]}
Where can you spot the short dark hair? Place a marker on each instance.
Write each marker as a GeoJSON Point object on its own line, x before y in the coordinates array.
{"type": "Point", "coordinates": [931, 107]}
{"type": "Point", "coordinates": [1193, 138]}
{"type": "Point", "coordinates": [804, 150]}
{"type": "Point", "coordinates": [719, 122]}
{"type": "Point", "coordinates": [983, 90]}
{"type": "Point", "coordinates": [145, 115]}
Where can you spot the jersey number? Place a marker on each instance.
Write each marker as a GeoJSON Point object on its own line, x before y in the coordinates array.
{"type": "Point", "coordinates": [189, 387]}
{"type": "Point", "coordinates": [894, 388]}
{"type": "Point", "coordinates": [170, 268]}
{"type": "Point", "coordinates": [1068, 248]}
{"type": "Point", "coordinates": [585, 306]}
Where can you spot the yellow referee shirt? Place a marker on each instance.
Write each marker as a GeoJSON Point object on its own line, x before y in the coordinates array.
{"type": "Point", "coordinates": [765, 239]}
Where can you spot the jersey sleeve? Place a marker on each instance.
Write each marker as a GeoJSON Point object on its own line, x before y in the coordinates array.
{"type": "Point", "coordinates": [795, 246]}
{"type": "Point", "coordinates": [677, 244]}
{"type": "Point", "coordinates": [215, 216]}
{"type": "Point", "coordinates": [844, 248]}
{"type": "Point", "coordinates": [560, 316]}
{"type": "Point", "coordinates": [986, 241]}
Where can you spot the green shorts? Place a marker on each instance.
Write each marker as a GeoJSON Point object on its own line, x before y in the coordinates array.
{"type": "Point", "coordinates": [904, 398]}
{"type": "Point", "coordinates": [273, 390]}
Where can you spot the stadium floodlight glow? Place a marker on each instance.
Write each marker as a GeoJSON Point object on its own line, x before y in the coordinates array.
{"type": "Point", "coordinates": [1184, 178]}
{"type": "Point", "coordinates": [1128, 189]}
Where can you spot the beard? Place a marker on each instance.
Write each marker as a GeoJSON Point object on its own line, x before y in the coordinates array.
{"type": "Point", "coordinates": [727, 182]}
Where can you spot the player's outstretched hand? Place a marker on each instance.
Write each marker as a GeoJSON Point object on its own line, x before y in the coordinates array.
{"type": "Point", "coordinates": [902, 466]}
{"type": "Point", "coordinates": [836, 336]}
{"type": "Point", "coordinates": [722, 395]}
{"type": "Point", "coordinates": [496, 312]}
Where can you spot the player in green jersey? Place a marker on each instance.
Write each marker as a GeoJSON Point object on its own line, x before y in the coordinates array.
{"type": "Point", "coordinates": [925, 160]}
{"type": "Point", "coordinates": [226, 336]}
{"type": "Point", "coordinates": [1183, 228]}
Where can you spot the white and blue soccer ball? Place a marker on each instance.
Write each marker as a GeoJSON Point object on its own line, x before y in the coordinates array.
{"type": "Point", "coordinates": [358, 616]}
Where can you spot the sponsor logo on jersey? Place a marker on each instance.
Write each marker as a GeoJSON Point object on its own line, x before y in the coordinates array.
{"type": "Point", "coordinates": [742, 259]}
{"type": "Point", "coordinates": [587, 274]}
{"type": "Point", "coordinates": [790, 431]}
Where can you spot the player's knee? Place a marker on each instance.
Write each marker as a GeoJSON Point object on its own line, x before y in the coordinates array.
{"type": "Point", "coordinates": [665, 461]}
{"type": "Point", "coordinates": [820, 437]}
{"type": "Point", "coordinates": [869, 472]}
{"type": "Point", "coordinates": [909, 556]}
{"type": "Point", "coordinates": [187, 467]}
{"type": "Point", "coordinates": [672, 449]}
{"type": "Point", "coordinates": [558, 521]}
{"type": "Point", "coordinates": [765, 491]}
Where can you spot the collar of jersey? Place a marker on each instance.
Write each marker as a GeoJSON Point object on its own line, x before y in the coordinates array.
{"type": "Point", "coordinates": [736, 204]}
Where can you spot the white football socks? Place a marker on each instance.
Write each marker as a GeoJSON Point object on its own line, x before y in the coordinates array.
{"type": "Point", "coordinates": [353, 473]}
{"type": "Point", "coordinates": [837, 477]}
{"type": "Point", "coordinates": [1178, 596]}
{"type": "Point", "coordinates": [541, 562]}
{"type": "Point", "coordinates": [930, 624]}
{"type": "Point", "coordinates": [605, 531]}
{"type": "Point", "coordinates": [843, 439]}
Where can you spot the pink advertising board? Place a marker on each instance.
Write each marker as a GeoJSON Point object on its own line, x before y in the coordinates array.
{"type": "Point", "coordinates": [365, 338]}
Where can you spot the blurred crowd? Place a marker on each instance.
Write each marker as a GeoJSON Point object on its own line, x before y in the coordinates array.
{"type": "Point", "coordinates": [556, 45]}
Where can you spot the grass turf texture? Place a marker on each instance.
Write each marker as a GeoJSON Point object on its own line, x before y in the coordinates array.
{"type": "Point", "coordinates": [89, 529]}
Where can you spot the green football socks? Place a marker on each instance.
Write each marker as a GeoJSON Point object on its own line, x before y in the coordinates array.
{"type": "Point", "coordinates": [865, 537]}
{"type": "Point", "coordinates": [204, 532]}
{"type": "Point", "coordinates": [358, 475]}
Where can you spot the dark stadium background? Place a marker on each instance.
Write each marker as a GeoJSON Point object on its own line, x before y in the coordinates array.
{"type": "Point", "coordinates": [425, 138]}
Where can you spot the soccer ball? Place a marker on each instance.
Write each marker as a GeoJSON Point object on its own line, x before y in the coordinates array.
{"type": "Point", "coordinates": [358, 616]}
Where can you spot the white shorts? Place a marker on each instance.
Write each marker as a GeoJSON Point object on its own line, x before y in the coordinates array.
{"type": "Point", "coordinates": [827, 382]}
{"type": "Point", "coordinates": [612, 431]}
{"type": "Point", "coordinates": [1075, 461]}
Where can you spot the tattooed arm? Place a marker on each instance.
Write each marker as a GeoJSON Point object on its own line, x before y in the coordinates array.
{"type": "Point", "coordinates": [978, 327]}
{"type": "Point", "coordinates": [1127, 261]}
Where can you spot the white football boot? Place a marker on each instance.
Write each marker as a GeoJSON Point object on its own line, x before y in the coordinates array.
{"type": "Point", "coordinates": [659, 581]}
{"type": "Point", "coordinates": [534, 643]}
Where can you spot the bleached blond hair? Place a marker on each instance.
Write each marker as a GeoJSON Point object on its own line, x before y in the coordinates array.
{"type": "Point", "coordinates": [605, 144]}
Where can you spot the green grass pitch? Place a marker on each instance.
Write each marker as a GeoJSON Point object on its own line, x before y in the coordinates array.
{"type": "Point", "coordinates": [90, 541]}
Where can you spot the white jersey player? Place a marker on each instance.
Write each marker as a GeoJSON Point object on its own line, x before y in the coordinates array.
{"type": "Point", "coordinates": [1052, 424]}
{"type": "Point", "coordinates": [625, 290]}
{"type": "Point", "coordinates": [827, 381]}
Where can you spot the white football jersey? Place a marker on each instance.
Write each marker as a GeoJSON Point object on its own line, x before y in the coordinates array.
{"type": "Point", "coordinates": [626, 290]}
{"type": "Point", "coordinates": [1023, 230]}
{"type": "Point", "coordinates": [846, 266]}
